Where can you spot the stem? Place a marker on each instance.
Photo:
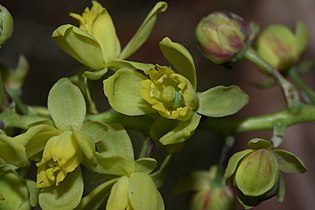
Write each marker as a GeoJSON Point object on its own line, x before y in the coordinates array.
{"type": "Point", "coordinates": [308, 91]}
{"type": "Point", "coordinates": [3, 99]}
{"type": "Point", "coordinates": [252, 56]}
{"type": "Point", "coordinates": [147, 148]}
{"type": "Point", "coordinates": [290, 93]}
{"type": "Point", "coordinates": [83, 82]}
{"type": "Point", "coordinates": [264, 122]}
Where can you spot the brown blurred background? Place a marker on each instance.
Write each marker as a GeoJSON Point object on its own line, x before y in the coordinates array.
{"type": "Point", "coordinates": [36, 19]}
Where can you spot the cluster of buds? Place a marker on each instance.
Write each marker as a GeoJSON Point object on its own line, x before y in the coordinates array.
{"type": "Point", "coordinates": [225, 37]}
{"type": "Point", "coordinates": [256, 172]}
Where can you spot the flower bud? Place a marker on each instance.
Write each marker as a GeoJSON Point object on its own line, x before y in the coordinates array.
{"type": "Point", "coordinates": [218, 198]}
{"type": "Point", "coordinates": [6, 24]}
{"type": "Point", "coordinates": [280, 47]}
{"type": "Point", "coordinates": [257, 176]}
{"type": "Point", "coordinates": [222, 35]}
{"type": "Point", "coordinates": [255, 172]}
{"type": "Point", "coordinates": [209, 191]}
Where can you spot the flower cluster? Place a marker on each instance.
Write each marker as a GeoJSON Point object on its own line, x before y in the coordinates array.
{"type": "Point", "coordinates": [85, 159]}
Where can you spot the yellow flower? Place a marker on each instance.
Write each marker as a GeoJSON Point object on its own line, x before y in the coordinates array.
{"type": "Point", "coordinates": [171, 94]}
{"type": "Point", "coordinates": [61, 156]}
{"type": "Point", "coordinates": [98, 23]}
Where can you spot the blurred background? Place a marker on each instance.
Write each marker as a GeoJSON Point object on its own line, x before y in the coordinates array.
{"type": "Point", "coordinates": [36, 19]}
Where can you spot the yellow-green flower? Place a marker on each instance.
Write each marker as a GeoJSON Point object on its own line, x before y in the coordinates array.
{"type": "Point", "coordinates": [95, 43]}
{"type": "Point", "coordinates": [171, 94]}
{"type": "Point", "coordinates": [62, 155]}
{"type": "Point", "coordinates": [133, 184]}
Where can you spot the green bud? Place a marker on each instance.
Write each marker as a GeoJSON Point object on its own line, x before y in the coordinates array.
{"type": "Point", "coordinates": [280, 47]}
{"type": "Point", "coordinates": [256, 172]}
{"type": "Point", "coordinates": [6, 24]}
{"type": "Point", "coordinates": [222, 35]}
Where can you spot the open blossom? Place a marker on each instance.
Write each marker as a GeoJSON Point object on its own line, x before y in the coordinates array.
{"type": "Point", "coordinates": [171, 94]}
{"type": "Point", "coordinates": [61, 156]}
{"type": "Point", "coordinates": [95, 43]}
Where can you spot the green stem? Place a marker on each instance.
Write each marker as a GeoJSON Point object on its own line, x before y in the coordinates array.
{"type": "Point", "coordinates": [308, 91]}
{"type": "Point", "coordinates": [290, 93]}
{"type": "Point", "coordinates": [3, 98]}
{"type": "Point", "coordinates": [264, 122]}
{"type": "Point", "coordinates": [252, 56]}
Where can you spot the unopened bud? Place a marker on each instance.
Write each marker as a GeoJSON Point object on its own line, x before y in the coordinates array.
{"type": "Point", "coordinates": [280, 47]}
{"type": "Point", "coordinates": [222, 35]}
{"type": "Point", "coordinates": [6, 24]}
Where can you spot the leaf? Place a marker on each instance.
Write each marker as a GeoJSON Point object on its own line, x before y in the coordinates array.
{"type": "Point", "coordinates": [174, 131]}
{"type": "Point", "coordinates": [143, 194]}
{"type": "Point", "coordinates": [144, 31]}
{"type": "Point", "coordinates": [145, 165]}
{"type": "Point", "coordinates": [234, 161]}
{"type": "Point", "coordinates": [221, 101]}
{"type": "Point", "coordinates": [288, 162]}
{"type": "Point", "coordinates": [80, 45]}
{"type": "Point", "coordinates": [96, 197]}
{"type": "Point", "coordinates": [67, 195]}
{"type": "Point", "coordinates": [122, 91]}
{"type": "Point", "coordinates": [180, 58]}
{"type": "Point", "coordinates": [66, 105]}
